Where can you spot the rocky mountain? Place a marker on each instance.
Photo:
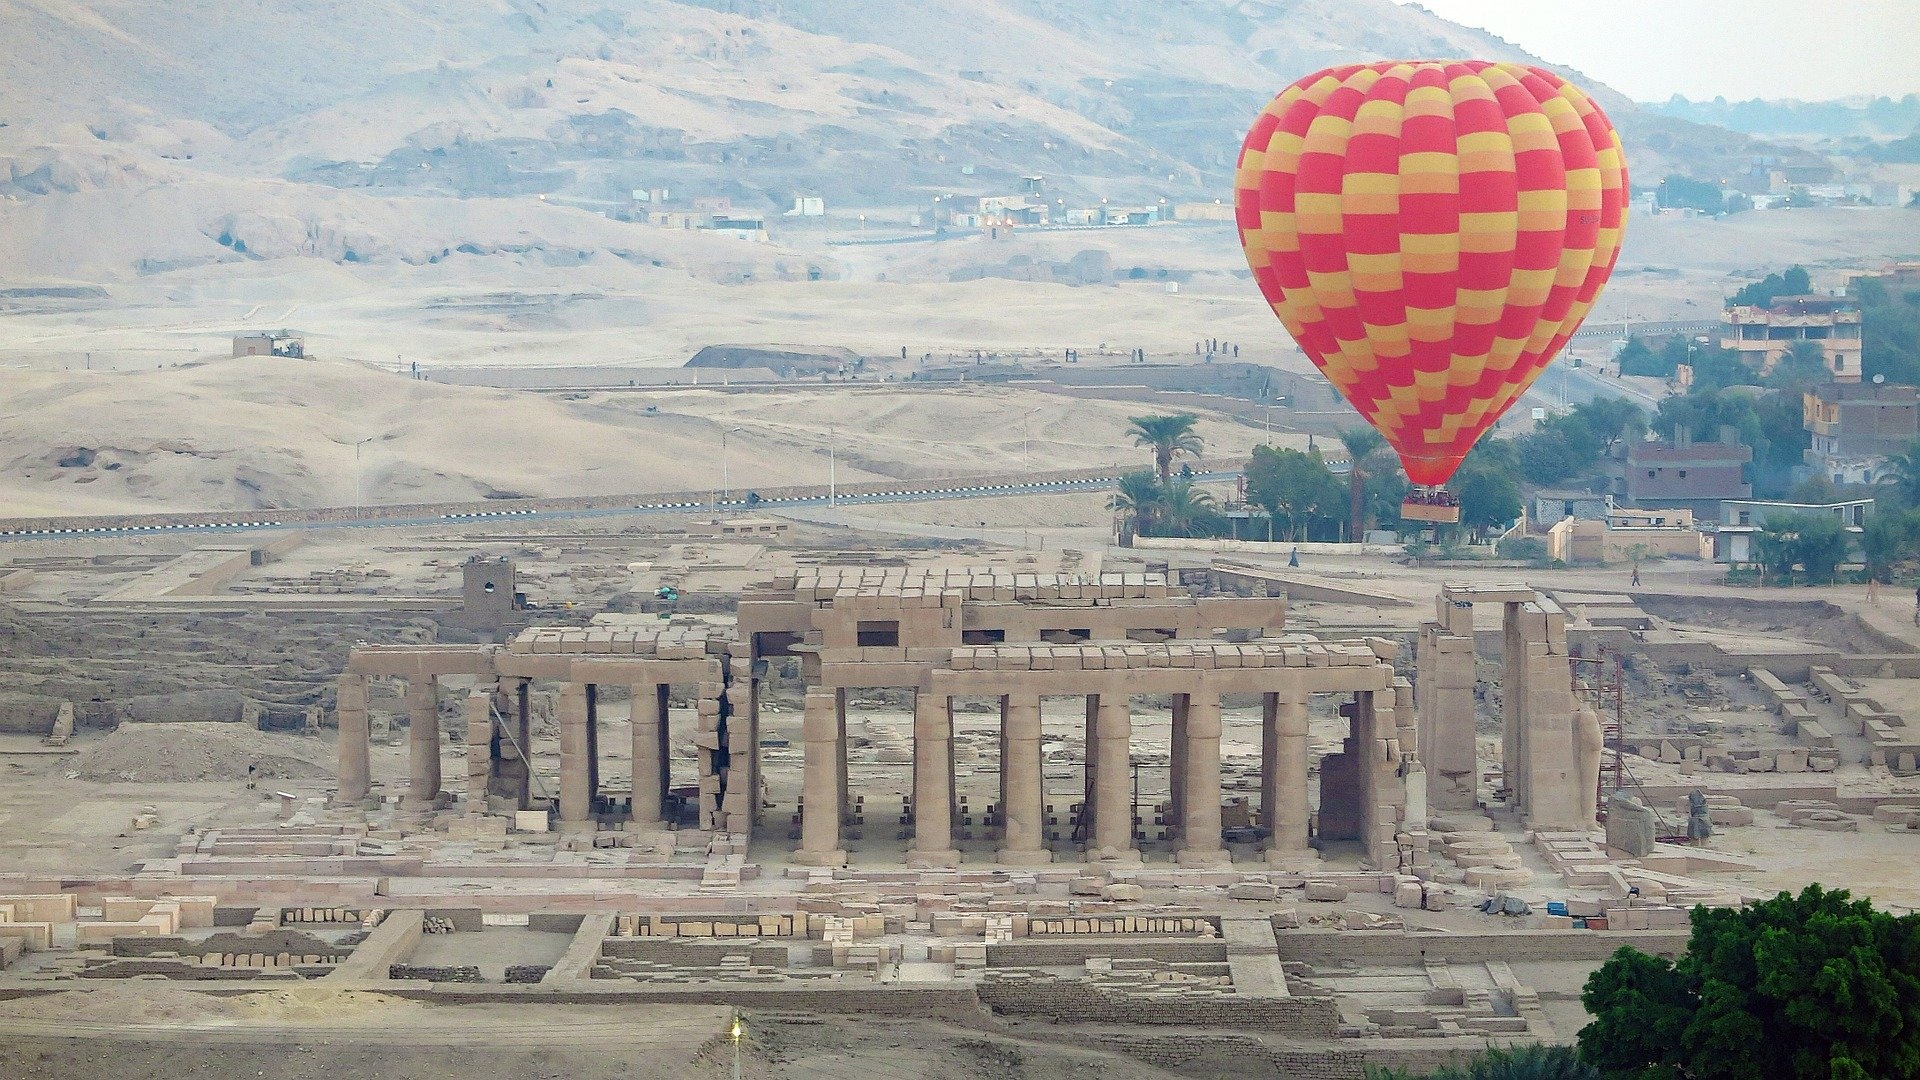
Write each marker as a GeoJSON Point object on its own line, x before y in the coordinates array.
{"type": "Point", "coordinates": [139, 137]}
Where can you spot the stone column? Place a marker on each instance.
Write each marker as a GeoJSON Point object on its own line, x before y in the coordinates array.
{"type": "Point", "coordinates": [1112, 835]}
{"type": "Point", "coordinates": [1177, 766]}
{"type": "Point", "coordinates": [932, 781]}
{"type": "Point", "coordinates": [1547, 716]}
{"type": "Point", "coordinates": [840, 742]}
{"type": "Point", "coordinates": [649, 754]}
{"type": "Point", "coordinates": [823, 792]}
{"type": "Point", "coordinates": [576, 790]}
{"type": "Point", "coordinates": [593, 745]}
{"type": "Point", "coordinates": [522, 706]}
{"type": "Point", "coordinates": [1025, 839]}
{"type": "Point", "coordinates": [423, 738]}
{"type": "Point", "coordinates": [479, 745]}
{"type": "Point", "coordinates": [1090, 774]}
{"type": "Point", "coordinates": [1286, 785]}
{"type": "Point", "coordinates": [350, 710]}
{"type": "Point", "coordinates": [1200, 843]}
{"type": "Point", "coordinates": [1445, 657]}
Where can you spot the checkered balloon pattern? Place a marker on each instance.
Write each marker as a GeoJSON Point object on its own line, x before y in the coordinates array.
{"type": "Point", "coordinates": [1431, 232]}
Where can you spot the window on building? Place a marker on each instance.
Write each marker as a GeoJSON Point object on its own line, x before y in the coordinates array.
{"type": "Point", "coordinates": [1683, 474]}
{"type": "Point", "coordinates": [880, 634]}
{"type": "Point", "coordinates": [1650, 474]}
{"type": "Point", "coordinates": [982, 637]}
{"type": "Point", "coordinates": [1746, 518]}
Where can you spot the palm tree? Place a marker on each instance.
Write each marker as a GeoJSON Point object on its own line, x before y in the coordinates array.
{"type": "Point", "coordinates": [1902, 473]}
{"type": "Point", "coordinates": [1185, 507]}
{"type": "Point", "coordinates": [1169, 436]}
{"type": "Point", "coordinates": [1362, 443]}
{"type": "Point", "coordinates": [1139, 496]}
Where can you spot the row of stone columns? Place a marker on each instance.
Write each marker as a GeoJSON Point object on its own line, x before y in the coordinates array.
{"type": "Point", "coordinates": [575, 712]}
{"type": "Point", "coordinates": [423, 744]}
{"type": "Point", "coordinates": [1195, 780]}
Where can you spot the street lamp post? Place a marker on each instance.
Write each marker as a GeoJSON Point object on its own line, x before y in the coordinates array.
{"type": "Point", "coordinates": [356, 473]}
{"type": "Point", "coordinates": [726, 483]}
{"type": "Point", "coordinates": [1026, 440]}
{"type": "Point", "coordinates": [832, 472]}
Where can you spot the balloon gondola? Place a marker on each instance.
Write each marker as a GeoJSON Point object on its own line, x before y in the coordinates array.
{"type": "Point", "coordinates": [1431, 232]}
{"type": "Point", "coordinates": [1434, 505]}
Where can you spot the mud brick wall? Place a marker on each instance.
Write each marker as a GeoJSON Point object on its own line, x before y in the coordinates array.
{"type": "Point", "coordinates": [527, 973]}
{"type": "Point", "coordinates": [1063, 952]}
{"type": "Point", "coordinates": [1235, 1053]}
{"type": "Point", "coordinates": [684, 953]}
{"type": "Point", "coordinates": [1082, 1001]}
{"type": "Point", "coordinates": [1318, 947]}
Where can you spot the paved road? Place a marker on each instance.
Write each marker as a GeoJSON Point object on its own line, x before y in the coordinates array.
{"type": "Point", "coordinates": [736, 505]}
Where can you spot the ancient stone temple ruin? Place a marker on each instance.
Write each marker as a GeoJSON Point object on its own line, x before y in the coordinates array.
{"type": "Point", "coordinates": [1126, 650]}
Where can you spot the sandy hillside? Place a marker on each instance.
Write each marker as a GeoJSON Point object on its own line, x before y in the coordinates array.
{"type": "Point", "coordinates": [243, 433]}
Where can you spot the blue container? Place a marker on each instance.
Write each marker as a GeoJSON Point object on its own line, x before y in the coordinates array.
{"type": "Point", "coordinates": [1556, 907]}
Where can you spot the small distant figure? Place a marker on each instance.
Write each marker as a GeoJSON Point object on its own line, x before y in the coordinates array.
{"type": "Point", "coordinates": [1873, 590]}
{"type": "Point", "coordinates": [253, 771]}
{"type": "Point", "coordinates": [1634, 582]}
{"type": "Point", "coordinates": [1293, 557]}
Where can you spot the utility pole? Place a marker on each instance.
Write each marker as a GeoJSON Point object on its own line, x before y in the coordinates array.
{"type": "Point", "coordinates": [726, 484]}
{"type": "Point", "coordinates": [832, 472]}
{"type": "Point", "coordinates": [356, 473]}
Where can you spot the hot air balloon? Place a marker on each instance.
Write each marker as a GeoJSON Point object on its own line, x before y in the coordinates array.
{"type": "Point", "coordinates": [1431, 232]}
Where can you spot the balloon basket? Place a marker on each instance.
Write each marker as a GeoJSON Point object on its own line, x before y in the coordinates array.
{"type": "Point", "coordinates": [1437, 513]}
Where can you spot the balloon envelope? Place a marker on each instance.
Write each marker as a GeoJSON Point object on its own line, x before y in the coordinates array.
{"type": "Point", "coordinates": [1431, 232]}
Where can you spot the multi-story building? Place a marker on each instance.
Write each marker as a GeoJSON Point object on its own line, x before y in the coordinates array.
{"type": "Point", "coordinates": [1855, 426]}
{"type": "Point", "coordinates": [1762, 335]}
{"type": "Point", "coordinates": [1687, 474]}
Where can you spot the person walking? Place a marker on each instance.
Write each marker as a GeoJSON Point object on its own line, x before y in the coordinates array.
{"type": "Point", "coordinates": [1873, 590]}
{"type": "Point", "coordinates": [1634, 582]}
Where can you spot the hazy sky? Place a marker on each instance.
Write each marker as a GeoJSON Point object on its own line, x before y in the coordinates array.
{"type": "Point", "coordinates": [1653, 49]}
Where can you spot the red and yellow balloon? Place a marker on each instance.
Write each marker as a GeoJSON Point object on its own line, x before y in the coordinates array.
{"type": "Point", "coordinates": [1431, 232]}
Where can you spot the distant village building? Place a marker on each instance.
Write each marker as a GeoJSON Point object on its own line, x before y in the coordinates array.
{"type": "Point", "coordinates": [1216, 210]}
{"type": "Point", "coordinates": [280, 343]}
{"type": "Point", "coordinates": [739, 226]}
{"type": "Point", "coordinates": [1762, 335]}
{"type": "Point", "coordinates": [1855, 426]}
{"type": "Point", "coordinates": [1897, 279]}
{"type": "Point", "coordinates": [1629, 535]}
{"type": "Point", "coordinates": [1684, 473]}
{"type": "Point", "coordinates": [1552, 506]}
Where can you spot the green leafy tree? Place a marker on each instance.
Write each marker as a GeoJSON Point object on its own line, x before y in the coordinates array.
{"type": "Point", "coordinates": [1810, 987]}
{"type": "Point", "coordinates": [1293, 486]}
{"type": "Point", "coordinates": [1635, 358]}
{"type": "Point", "coordinates": [1795, 282]}
{"type": "Point", "coordinates": [1488, 497]}
{"type": "Point", "coordinates": [1168, 436]}
{"type": "Point", "coordinates": [1815, 543]}
{"type": "Point", "coordinates": [1890, 537]}
{"type": "Point", "coordinates": [1889, 331]}
{"type": "Point", "coordinates": [1365, 447]}
{"type": "Point", "coordinates": [1138, 496]}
